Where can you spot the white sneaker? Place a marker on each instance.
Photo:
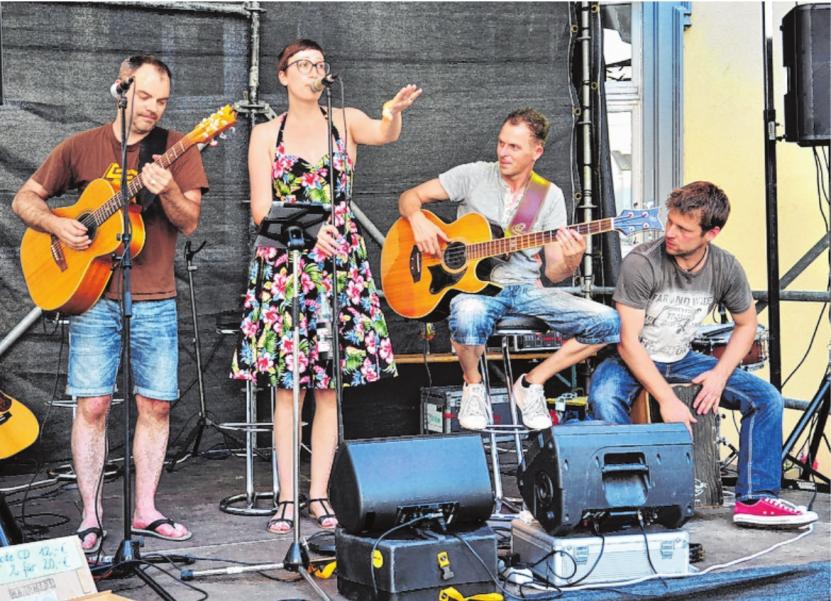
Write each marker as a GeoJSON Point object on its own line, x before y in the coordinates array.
{"type": "Point", "coordinates": [473, 412]}
{"type": "Point", "coordinates": [531, 402]}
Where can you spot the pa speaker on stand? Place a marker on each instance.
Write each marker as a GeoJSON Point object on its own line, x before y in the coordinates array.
{"type": "Point", "coordinates": [807, 57]}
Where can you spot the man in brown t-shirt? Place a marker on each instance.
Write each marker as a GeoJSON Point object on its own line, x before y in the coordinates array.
{"type": "Point", "coordinates": [95, 336]}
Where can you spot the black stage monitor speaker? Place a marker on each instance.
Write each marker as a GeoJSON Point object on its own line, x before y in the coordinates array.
{"type": "Point", "coordinates": [806, 49]}
{"type": "Point", "coordinates": [379, 483]}
{"type": "Point", "coordinates": [608, 472]}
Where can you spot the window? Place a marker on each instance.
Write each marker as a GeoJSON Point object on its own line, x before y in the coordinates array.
{"type": "Point", "coordinates": [644, 54]}
{"type": "Point", "coordinates": [622, 56]}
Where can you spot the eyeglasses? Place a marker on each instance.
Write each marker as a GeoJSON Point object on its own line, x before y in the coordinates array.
{"type": "Point", "coordinates": [304, 66]}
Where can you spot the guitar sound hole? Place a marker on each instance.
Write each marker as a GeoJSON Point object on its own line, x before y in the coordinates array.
{"type": "Point", "coordinates": [454, 255]}
{"type": "Point", "coordinates": [89, 221]}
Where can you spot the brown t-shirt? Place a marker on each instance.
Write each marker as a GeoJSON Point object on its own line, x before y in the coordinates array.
{"type": "Point", "coordinates": [95, 154]}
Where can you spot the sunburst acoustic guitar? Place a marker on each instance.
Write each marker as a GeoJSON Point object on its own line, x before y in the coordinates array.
{"type": "Point", "coordinates": [71, 281]}
{"type": "Point", "coordinates": [420, 286]}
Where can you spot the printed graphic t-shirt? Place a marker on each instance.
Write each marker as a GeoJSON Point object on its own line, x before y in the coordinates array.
{"type": "Point", "coordinates": [96, 153]}
{"type": "Point", "coordinates": [676, 302]}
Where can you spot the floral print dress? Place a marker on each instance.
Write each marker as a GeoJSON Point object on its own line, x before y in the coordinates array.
{"type": "Point", "coordinates": [265, 350]}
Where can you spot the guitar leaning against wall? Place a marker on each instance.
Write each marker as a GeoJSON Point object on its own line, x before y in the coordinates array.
{"type": "Point", "coordinates": [18, 426]}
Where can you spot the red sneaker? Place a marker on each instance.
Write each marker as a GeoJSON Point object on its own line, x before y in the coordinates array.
{"type": "Point", "coordinates": [771, 511]}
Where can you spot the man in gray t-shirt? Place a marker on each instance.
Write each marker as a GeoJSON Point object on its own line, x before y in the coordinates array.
{"type": "Point", "coordinates": [665, 290]}
{"type": "Point", "coordinates": [497, 191]}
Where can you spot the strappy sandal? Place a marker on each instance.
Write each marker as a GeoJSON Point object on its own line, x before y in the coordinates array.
{"type": "Point", "coordinates": [321, 519]}
{"type": "Point", "coordinates": [282, 519]}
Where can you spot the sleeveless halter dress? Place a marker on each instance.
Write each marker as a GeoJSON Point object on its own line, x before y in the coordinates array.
{"type": "Point", "coordinates": [264, 352]}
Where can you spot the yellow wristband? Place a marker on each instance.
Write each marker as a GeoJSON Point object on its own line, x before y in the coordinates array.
{"type": "Point", "coordinates": [386, 111]}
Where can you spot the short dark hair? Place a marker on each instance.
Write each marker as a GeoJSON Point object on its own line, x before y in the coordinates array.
{"type": "Point", "coordinates": [131, 64]}
{"type": "Point", "coordinates": [293, 48]}
{"type": "Point", "coordinates": [708, 199]}
{"type": "Point", "coordinates": [535, 120]}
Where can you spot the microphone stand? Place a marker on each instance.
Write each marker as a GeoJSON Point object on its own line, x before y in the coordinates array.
{"type": "Point", "coordinates": [127, 559]}
{"type": "Point", "coordinates": [336, 367]}
{"type": "Point", "coordinates": [291, 235]}
{"type": "Point", "coordinates": [195, 435]}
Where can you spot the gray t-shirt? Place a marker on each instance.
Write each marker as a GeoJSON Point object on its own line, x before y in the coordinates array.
{"type": "Point", "coordinates": [676, 302]}
{"type": "Point", "coordinates": [479, 188]}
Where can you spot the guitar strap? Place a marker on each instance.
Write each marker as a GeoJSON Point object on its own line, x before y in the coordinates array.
{"type": "Point", "coordinates": [530, 205]}
{"type": "Point", "coordinates": [154, 143]}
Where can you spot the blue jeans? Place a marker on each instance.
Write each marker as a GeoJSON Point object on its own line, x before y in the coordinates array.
{"type": "Point", "coordinates": [473, 316]}
{"type": "Point", "coordinates": [614, 388]}
{"type": "Point", "coordinates": [95, 350]}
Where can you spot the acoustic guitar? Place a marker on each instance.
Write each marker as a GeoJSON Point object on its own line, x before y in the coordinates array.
{"type": "Point", "coordinates": [18, 426]}
{"type": "Point", "coordinates": [71, 281]}
{"type": "Point", "coordinates": [420, 286]}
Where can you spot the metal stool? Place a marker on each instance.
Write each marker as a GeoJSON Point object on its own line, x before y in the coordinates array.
{"type": "Point", "coordinates": [227, 324]}
{"type": "Point", "coordinates": [246, 503]}
{"type": "Point", "coordinates": [65, 472]}
{"type": "Point", "coordinates": [508, 328]}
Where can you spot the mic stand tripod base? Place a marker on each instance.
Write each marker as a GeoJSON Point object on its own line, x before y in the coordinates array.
{"type": "Point", "coordinates": [126, 563]}
{"type": "Point", "coordinates": [296, 560]}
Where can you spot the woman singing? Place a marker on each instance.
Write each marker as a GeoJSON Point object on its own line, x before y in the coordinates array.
{"type": "Point", "coordinates": [288, 160]}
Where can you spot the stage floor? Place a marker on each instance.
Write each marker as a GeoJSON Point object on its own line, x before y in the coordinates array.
{"type": "Point", "coordinates": [191, 494]}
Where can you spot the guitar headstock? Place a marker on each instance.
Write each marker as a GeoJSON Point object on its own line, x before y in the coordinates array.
{"type": "Point", "coordinates": [210, 127]}
{"type": "Point", "coordinates": [632, 221]}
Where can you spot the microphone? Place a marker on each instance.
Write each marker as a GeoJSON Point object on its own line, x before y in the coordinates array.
{"type": "Point", "coordinates": [118, 89]}
{"type": "Point", "coordinates": [324, 82]}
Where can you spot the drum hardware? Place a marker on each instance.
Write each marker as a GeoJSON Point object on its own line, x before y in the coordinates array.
{"type": "Point", "coordinates": [818, 408]}
{"type": "Point", "coordinates": [712, 339]}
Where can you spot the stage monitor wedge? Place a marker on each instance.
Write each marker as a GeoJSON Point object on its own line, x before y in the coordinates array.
{"type": "Point", "coordinates": [608, 472]}
{"type": "Point", "coordinates": [379, 483]}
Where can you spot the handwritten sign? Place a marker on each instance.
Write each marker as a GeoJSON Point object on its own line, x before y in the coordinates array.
{"type": "Point", "coordinates": [40, 559]}
{"type": "Point", "coordinates": [48, 570]}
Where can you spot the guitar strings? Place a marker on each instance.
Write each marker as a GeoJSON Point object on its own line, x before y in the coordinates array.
{"type": "Point", "coordinates": [495, 247]}
{"type": "Point", "coordinates": [106, 210]}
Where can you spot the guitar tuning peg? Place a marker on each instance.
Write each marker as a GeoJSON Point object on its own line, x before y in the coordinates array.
{"type": "Point", "coordinates": [213, 143]}
{"type": "Point", "coordinates": [222, 135]}
{"type": "Point", "coordinates": [233, 129]}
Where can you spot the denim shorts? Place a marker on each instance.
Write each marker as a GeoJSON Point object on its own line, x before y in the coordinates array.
{"type": "Point", "coordinates": [95, 350]}
{"type": "Point", "coordinates": [472, 316]}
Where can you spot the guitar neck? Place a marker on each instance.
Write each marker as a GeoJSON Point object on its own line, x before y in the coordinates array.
{"type": "Point", "coordinates": [118, 200]}
{"type": "Point", "coordinates": [503, 246]}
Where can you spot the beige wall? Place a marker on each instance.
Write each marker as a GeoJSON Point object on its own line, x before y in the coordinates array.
{"type": "Point", "coordinates": [723, 143]}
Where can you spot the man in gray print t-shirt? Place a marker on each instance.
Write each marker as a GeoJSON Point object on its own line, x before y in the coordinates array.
{"type": "Point", "coordinates": [496, 191]}
{"type": "Point", "coordinates": [665, 290]}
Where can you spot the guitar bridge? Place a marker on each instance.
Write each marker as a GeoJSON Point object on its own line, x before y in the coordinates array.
{"type": "Point", "coordinates": [57, 253]}
{"type": "Point", "coordinates": [415, 264]}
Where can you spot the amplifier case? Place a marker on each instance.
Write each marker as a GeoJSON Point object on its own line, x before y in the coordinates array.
{"type": "Point", "coordinates": [596, 467]}
{"type": "Point", "coordinates": [440, 409]}
{"type": "Point", "coordinates": [409, 566]}
{"type": "Point", "coordinates": [624, 555]}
